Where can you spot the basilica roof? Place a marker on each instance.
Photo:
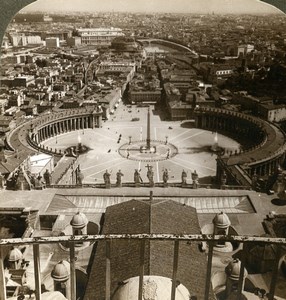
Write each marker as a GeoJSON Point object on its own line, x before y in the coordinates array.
{"type": "Point", "coordinates": [154, 288]}
{"type": "Point", "coordinates": [156, 216]}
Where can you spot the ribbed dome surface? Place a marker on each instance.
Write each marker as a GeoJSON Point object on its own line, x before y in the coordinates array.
{"type": "Point", "coordinates": [232, 270]}
{"type": "Point", "coordinates": [79, 220]}
{"type": "Point", "coordinates": [264, 252]}
{"type": "Point", "coordinates": [61, 271]}
{"type": "Point", "coordinates": [14, 255]}
{"type": "Point", "coordinates": [221, 221]}
{"type": "Point", "coordinates": [154, 288]}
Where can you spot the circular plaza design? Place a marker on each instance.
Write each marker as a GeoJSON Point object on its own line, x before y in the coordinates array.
{"type": "Point", "coordinates": [121, 144]}
{"type": "Point", "coordinates": [138, 151]}
{"type": "Point", "coordinates": [148, 150]}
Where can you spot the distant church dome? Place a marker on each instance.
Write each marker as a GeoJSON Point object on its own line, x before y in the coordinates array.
{"type": "Point", "coordinates": [232, 270]}
{"type": "Point", "coordinates": [15, 255]}
{"type": "Point", "coordinates": [61, 271]}
{"type": "Point", "coordinates": [79, 220]}
{"type": "Point", "coordinates": [154, 287]}
{"type": "Point", "coordinates": [221, 221]}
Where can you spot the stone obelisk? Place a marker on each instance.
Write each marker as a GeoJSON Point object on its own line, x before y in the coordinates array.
{"type": "Point", "coordinates": [148, 146]}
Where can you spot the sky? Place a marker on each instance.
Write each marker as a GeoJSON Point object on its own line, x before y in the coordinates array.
{"type": "Point", "coordinates": [176, 6]}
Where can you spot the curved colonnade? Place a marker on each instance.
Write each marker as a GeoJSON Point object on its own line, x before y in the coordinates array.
{"type": "Point", "coordinates": [29, 136]}
{"type": "Point", "coordinates": [262, 156]}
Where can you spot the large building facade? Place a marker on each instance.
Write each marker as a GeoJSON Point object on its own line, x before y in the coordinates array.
{"type": "Point", "coordinates": [99, 36]}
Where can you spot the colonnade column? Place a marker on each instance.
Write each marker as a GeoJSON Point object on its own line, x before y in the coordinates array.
{"type": "Point", "coordinates": [46, 131]}
{"type": "Point", "coordinates": [40, 135]}
{"type": "Point", "coordinates": [36, 138]}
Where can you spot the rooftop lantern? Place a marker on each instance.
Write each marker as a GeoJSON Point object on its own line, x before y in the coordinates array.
{"type": "Point", "coordinates": [61, 277]}
{"type": "Point", "coordinates": [232, 271]}
{"type": "Point", "coordinates": [15, 257]}
{"type": "Point", "coordinates": [221, 227]}
{"type": "Point", "coordinates": [79, 225]}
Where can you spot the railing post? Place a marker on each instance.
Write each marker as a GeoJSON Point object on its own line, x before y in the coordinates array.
{"type": "Point", "coordinates": [72, 271]}
{"type": "Point", "coordinates": [2, 276]}
{"type": "Point", "coordinates": [141, 269]}
{"type": "Point", "coordinates": [274, 274]}
{"type": "Point", "coordinates": [36, 257]}
{"type": "Point", "coordinates": [175, 268]}
{"type": "Point", "coordinates": [209, 270]}
{"type": "Point", "coordinates": [241, 273]}
{"type": "Point", "coordinates": [107, 270]}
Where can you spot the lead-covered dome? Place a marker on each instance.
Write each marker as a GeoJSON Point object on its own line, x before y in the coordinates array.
{"type": "Point", "coordinates": [154, 287]}
{"type": "Point", "coordinates": [15, 255]}
{"type": "Point", "coordinates": [79, 220]}
{"type": "Point", "coordinates": [221, 221]}
{"type": "Point", "coordinates": [61, 271]}
{"type": "Point", "coordinates": [232, 270]}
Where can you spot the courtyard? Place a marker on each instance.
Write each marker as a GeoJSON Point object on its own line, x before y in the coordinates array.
{"type": "Point", "coordinates": [116, 146]}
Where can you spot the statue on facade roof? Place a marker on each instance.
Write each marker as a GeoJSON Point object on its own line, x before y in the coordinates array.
{"type": "Point", "coordinates": [165, 176]}
{"type": "Point", "coordinates": [106, 177]}
{"type": "Point", "coordinates": [184, 177]}
{"type": "Point", "coordinates": [48, 177]}
{"type": "Point", "coordinates": [137, 177]}
{"type": "Point", "coordinates": [150, 174]}
{"type": "Point", "coordinates": [119, 174]}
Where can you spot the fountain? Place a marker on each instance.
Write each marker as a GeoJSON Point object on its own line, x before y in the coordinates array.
{"type": "Point", "coordinates": [215, 147]}
{"type": "Point", "coordinates": [77, 149]}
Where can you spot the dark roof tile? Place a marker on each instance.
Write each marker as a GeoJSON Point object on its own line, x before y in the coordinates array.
{"type": "Point", "coordinates": [157, 216]}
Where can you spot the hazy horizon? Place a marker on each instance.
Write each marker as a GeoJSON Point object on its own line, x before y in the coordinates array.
{"type": "Point", "coordinates": [154, 6]}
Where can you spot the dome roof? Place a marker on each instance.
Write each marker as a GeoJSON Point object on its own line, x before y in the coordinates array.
{"type": "Point", "coordinates": [53, 296]}
{"type": "Point", "coordinates": [221, 221]}
{"type": "Point", "coordinates": [154, 287]}
{"type": "Point", "coordinates": [79, 220]}
{"type": "Point", "coordinates": [14, 255]}
{"type": "Point", "coordinates": [61, 271]}
{"type": "Point", "coordinates": [232, 270]}
{"type": "Point", "coordinates": [264, 252]}
{"type": "Point", "coordinates": [234, 295]}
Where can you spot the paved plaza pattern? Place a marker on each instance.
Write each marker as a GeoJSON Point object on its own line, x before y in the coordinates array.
{"type": "Point", "coordinates": [112, 147]}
